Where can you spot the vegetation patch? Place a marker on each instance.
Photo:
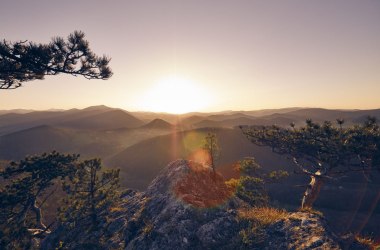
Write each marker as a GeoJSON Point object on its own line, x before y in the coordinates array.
{"type": "Point", "coordinates": [258, 218]}
{"type": "Point", "coordinates": [263, 215]}
{"type": "Point", "coordinates": [367, 242]}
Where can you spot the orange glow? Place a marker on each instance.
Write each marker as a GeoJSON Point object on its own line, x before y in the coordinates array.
{"type": "Point", "coordinates": [175, 95]}
{"type": "Point", "coordinates": [200, 156]}
{"type": "Point", "coordinates": [202, 188]}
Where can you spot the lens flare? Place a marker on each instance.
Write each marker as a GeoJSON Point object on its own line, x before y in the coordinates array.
{"type": "Point", "coordinates": [202, 188]}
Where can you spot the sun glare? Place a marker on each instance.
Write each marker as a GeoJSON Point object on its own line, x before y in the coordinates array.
{"type": "Point", "coordinates": [175, 95]}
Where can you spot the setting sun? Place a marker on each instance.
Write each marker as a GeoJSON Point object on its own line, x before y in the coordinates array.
{"type": "Point", "coordinates": [175, 95]}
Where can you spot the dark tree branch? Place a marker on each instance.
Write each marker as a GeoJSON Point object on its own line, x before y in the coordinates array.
{"type": "Point", "coordinates": [22, 61]}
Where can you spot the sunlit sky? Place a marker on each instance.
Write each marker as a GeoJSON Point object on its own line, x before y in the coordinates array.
{"type": "Point", "coordinates": [202, 55]}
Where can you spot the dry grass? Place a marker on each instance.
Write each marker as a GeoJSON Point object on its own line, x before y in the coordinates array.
{"type": "Point", "coordinates": [259, 218]}
{"type": "Point", "coordinates": [232, 183]}
{"type": "Point", "coordinates": [263, 215]}
{"type": "Point", "coordinates": [310, 210]}
{"type": "Point", "coordinates": [116, 209]}
{"type": "Point", "coordinates": [148, 228]}
{"type": "Point", "coordinates": [367, 242]}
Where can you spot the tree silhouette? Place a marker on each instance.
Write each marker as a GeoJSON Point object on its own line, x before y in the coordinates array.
{"type": "Point", "coordinates": [323, 152]}
{"type": "Point", "coordinates": [26, 61]}
{"type": "Point", "coordinates": [91, 194]}
{"type": "Point", "coordinates": [23, 192]}
{"type": "Point", "coordinates": [251, 186]}
{"type": "Point", "coordinates": [212, 148]}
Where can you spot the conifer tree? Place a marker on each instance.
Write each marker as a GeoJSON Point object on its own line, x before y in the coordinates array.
{"type": "Point", "coordinates": [211, 146]}
{"type": "Point", "coordinates": [323, 151]}
{"type": "Point", "coordinates": [26, 61]}
{"type": "Point", "coordinates": [22, 188]}
{"type": "Point", "coordinates": [251, 186]}
{"type": "Point", "coordinates": [91, 195]}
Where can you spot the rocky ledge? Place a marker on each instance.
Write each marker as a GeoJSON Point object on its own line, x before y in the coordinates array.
{"type": "Point", "coordinates": [188, 206]}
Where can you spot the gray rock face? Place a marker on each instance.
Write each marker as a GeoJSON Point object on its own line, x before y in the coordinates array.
{"type": "Point", "coordinates": [301, 231]}
{"type": "Point", "coordinates": [162, 220]}
{"type": "Point", "coordinates": [187, 206]}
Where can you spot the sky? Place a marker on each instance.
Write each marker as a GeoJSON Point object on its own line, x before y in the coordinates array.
{"type": "Point", "coordinates": [206, 55]}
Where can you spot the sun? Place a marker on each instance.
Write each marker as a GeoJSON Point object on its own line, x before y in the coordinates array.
{"type": "Point", "coordinates": [175, 95]}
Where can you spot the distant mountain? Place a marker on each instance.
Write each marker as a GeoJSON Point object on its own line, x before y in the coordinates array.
{"type": "Point", "coordinates": [222, 117]}
{"type": "Point", "coordinates": [189, 121]}
{"type": "Point", "coordinates": [106, 121]}
{"type": "Point", "coordinates": [245, 121]}
{"type": "Point", "coordinates": [13, 122]}
{"type": "Point", "coordinates": [33, 141]}
{"type": "Point", "coordinates": [208, 124]}
{"type": "Point", "coordinates": [149, 116]}
{"type": "Point", "coordinates": [103, 117]}
{"type": "Point", "coordinates": [96, 117]}
{"type": "Point", "coordinates": [319, 114]}
{"type": "Point", "coordinates": [98, 108]}
{"type": "Point", "coordinates": [265, 112]}
{"type": "Point", "coordinates": [87, 142]}
{"type": "Point", "coordinates": [158, 124]}
{"type": "Point", "coordinates": [16, 111]}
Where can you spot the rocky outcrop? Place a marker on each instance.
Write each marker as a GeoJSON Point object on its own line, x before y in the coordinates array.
{"type": "Point", "coordinates": [188, 206]}
{"type": "Point", "coordinates": [301, 230]}
{"type": "Point", "coordinates": [170, 215]}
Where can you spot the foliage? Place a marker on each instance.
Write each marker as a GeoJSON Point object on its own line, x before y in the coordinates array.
{"type": "Point", "coordinates": [323, 151]}
{"type": "Point", "coordinates": [25, 184]}
{"type": "Point", "coordinates": [26, 61]}
{"type": "Point", "coordinates": [211, 146]}
{"type": "Point", "coordinates": [250, 187]}
{"type": "Point", "coordinates": [91, 195]}
{"type": "Point", "coordinates": [367, 242]}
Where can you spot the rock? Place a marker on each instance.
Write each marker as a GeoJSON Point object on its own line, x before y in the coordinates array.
{"type": "Point", "coordinates": [302, 230]}
{"type": "Point", "coordinates": [187, 206]}
{"type": "Point", "coordinates": [180, 218]}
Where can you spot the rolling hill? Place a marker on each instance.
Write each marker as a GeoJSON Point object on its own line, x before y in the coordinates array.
{"type": "Point", "coordinates": [33, 141]}
{"type": "Point", "coordinates": [108, 120]}
{"type": "Point", "coordinates": [158, 124]}
{"type": "Point", "coordinates": [96, 117]}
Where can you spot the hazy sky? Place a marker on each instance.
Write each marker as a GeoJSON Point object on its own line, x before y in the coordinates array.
{"type": "Point", "coordinates": [223, 54]}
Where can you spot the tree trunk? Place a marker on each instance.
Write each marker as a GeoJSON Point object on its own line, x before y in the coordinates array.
{"type": "Point", "coordinates": [312, 191]}
{"type": "Point", "coordinates": [38, 213]}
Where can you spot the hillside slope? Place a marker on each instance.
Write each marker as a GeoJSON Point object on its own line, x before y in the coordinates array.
{"type": "Point", "coordinates": [142, 162]}
{"type": "Point", "coordinates": [34, 140]}
{"type": "Point", "coordinates": [106, 121]}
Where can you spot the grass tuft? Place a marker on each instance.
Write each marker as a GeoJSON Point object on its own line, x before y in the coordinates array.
{"type": "Point", "coordinates": [263, 215]}
{"type": "Point", "coordinates": [367, 242]}
{"type": "Point", "coordinates": [259, 218]}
